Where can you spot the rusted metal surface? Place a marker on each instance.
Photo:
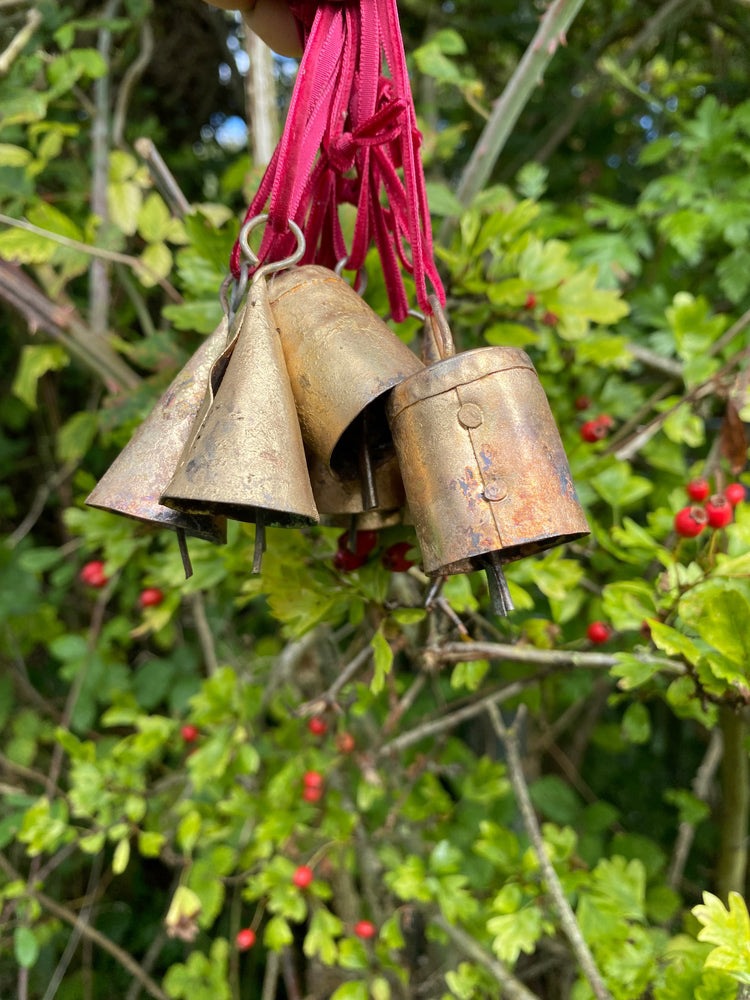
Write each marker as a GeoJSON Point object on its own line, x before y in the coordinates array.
{"type": "Point", "coordinates": [135, 481]}
{"type": "Point", "coordinates": [482, 461]}
{"type": "Point", "coordinates": [339, 501]}
{"type": "Point", "coordinates": [246, 459]}
{"type": "Point", "coordinates": [342, 360]}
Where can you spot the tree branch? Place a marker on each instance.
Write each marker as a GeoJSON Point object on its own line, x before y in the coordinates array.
{"type": "Point", "coordinates": [509, 737]}
{"type": "Point", "coordinates": [18, 43]}
{"type": "Point", "coordinates": [122, 957]}
{"type": "Point", "coordinates": [512, 988]}
{"type": "Point", "coordinates": [731, 867]}
{"type": "Point", "coordinates": [701, 787]}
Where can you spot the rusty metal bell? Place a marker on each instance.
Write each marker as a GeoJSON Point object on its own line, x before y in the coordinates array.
{"type": "Point", "coordinates": [245, 459]}
{"type": "Point", "coordinates": [135, 481]}
{"type": "Point", "coordinates": [340, 502]}
{"type": "Point", "coordinates": [342, 361]}
{"type": "Point", "coordinates": [486, 476]}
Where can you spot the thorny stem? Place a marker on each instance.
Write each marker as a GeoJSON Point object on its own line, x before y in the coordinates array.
{"type": "Point", "coordinates": [735, 804]}
{"type": "Point", "coordinates": [512, 988]}
{"type": "Point", "coordinates": [89, 933]}
{"type": "Point", "coordinates": [509, 737]}
{"type": "Point", "coordinates": [555, 22]}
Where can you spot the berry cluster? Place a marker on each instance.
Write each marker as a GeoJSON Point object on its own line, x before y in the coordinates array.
{"type": "Point", "coordinates": [707, 510]}
{"type": "Point", "coordinates": [92, 575]}
{"type": "Point", "coordinates": [355, 552]}
{"type": "Point", "coordinates": [597, 428]}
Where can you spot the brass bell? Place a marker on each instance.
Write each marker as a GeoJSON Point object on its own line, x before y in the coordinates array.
{"type": "Point", "coordinates": [340, 502]}
{"type": "Point", "coordinates": [246, 459]}
{"type": "Point", "coordinates": [486, 476]}
{"type": "Point", "coordinates": [135, 481]}
{"type": "Point", "coordinates": [342, 361]}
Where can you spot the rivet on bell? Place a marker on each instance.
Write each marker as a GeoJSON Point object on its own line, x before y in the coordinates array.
{"type": "Point", "coordinates": [495, 489]}
{"type": "Point", "coordinates": [470, 416]}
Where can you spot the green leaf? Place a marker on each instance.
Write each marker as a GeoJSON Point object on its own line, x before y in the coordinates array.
{"type": "Point", "coordinates": [729, 930]}
{"type": "Point", "coordinates": [383, 660]}
{"type": "Point", "coordinates": [153, 218]}
{"type": "Point", "coordinates": [351, 991]}
{"type": "Point", "coordinates": [14, 156]}
{"type": "Point", "coordinates": [719, 611]}
{"type": "Point", "coordinates": [470, 674]}
{"type": "Point", "coordinates": [441, 200]}
{"type": "Point", "coordinates": [121, 857]}
{"type": "Point", "coordinates": [636, 723]}
{"type": "Point", "coordinates": [76, 436]}
{"type": "Point", "coordinates": [156, 261]}
{"type": "Point", "coordinates": [278, 934]}
{"type": "Point", "coordinates": [25, 947]}
{"type": "Point", "coordinates": [36, 361]}
{"type": "Point", "coordinates": [514, 933]}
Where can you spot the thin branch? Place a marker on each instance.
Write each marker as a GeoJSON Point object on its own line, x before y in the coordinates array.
{"type": "Point", "coordinates": [163, 177]}
{"type": "Point", "coordinates": [19, 42]}
{"type": "Point", "coordinates": [704, 779]}
{"type": "Point", "coordinates": [113, 255]}
{"type": "Point", "coordinates": [85, 916]}
{"type": "Point", "coordinates": [37, 506]}
{"type": "Point", "coordinates": [130, 78]}
{"type": "Point", "coordinates": [205, 635]}
{"type": "Point", "coordinates": [731, 865]}
{"type": "Point", "coordinates": [512, 988]}
{"type": "Point", "coordinates": [271, 976]}
{"type": "Point", "coordinates": [460, 652]}
{"type": "Point", "coordinates": [329, 697]}
{"type": "Point", "coordinates": [122, 957]}
{"type": "Point", "coordinates": [509, 737]}
{"type": "Point", "coordinates": [555, 22]}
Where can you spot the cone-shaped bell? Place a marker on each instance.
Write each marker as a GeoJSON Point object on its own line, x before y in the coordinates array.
{"type": "Point", "coordinates": [246, 459]}
{"type": "Point", "coordinates": [486, 476]}
{"type": "Point", "coordinates": [342, 361]}
{"type": "Point", "coordinates": [135, 481]}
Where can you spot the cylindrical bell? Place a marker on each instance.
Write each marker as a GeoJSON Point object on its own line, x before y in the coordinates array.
{"type": "Point", "coordinates": [342, 360]}
{"type": "Point", "coordinates": [135, 481]}
{"type": "Point", "coordinates": [340, 502]}
{"type": "Point", "coordinates": [246, 459]}
{"type": "Point", "coordinates": [486, 476]}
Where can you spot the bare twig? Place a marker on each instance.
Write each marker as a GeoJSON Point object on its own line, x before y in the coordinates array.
{"type": "Point", "coordinates": [130, 78]}
{"type": "Point", "coordinates": [704, 778]}
{"type": "Point", "coordinates": [84, 917]}
{"type": "Point", "coordinates": [509, 737]}
{"type": "Point", "coordinates": [271, 976]}
{"type": "Point", "coordinates": [205, 635]}
{"type": "Point", "coordinates": [322, 701]}
{"type": "Point", "coordinates": [122, 957]}
{"type": "Point", "coordinates": [555, 22]}
{"type": "Point", "coordinates": [19, 42]}
{"type": "Point", "coordinates": [113, 255]}
{"type": "Point", "coordinates": [512, 988]}
{"type": "Point", "coordinates": [459, 652]}
{"type": "Point", "coordinates": [163, 177]}
{"type": "Point", "coordinates": [38, 503]}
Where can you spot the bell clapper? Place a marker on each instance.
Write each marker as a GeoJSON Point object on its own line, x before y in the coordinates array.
{"type": "Point", "coordinates": [366, 472]}
{"type": "Point", "coordinates": [184, 554]}
{"type": "Point", "coordinates": [260, 542]}
{"type": "Point", "coordinates": [502, 604]}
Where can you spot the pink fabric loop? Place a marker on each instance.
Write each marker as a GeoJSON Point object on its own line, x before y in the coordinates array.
{"type": "Point", "coordinates": [351, 137]}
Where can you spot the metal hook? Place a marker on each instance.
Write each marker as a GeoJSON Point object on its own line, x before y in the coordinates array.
{"type": "Point", "coordinates": [360, 282]}
{"type": "Point", "coordinates": [276, 265]}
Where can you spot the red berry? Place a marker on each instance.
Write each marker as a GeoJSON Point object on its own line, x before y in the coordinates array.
{"type": "Point", "coordinates": [394, 558]}
{"type": "Point", "coordinates": [364, 542]}
{"type": "Point", "coordinates": [317, 726]}
{"type": "Point", "coordinates": [303, 876]}
{"type": "Point", "coordinates": [735, 493]}
{"type": "Point", "coordinates": [345, 742]}
{"type": "Point", "coordinates": [190, 733]}
{"type": "Point", "coordinates": [365, 929]}
{"type": "Point", "coordinates": [698, 489]}
{"type": "Point", "coordinates": [550, 319]}
{"type": "Point", "coordinates": [598, 428]}
{"type": "Point", "coordinates": [346, 561]}
{"type": "Point", "coordinates": [582, 402]}
{"type": "Point", "coordinates": [93, 575]}
{"type": "Point", "coordinates": [312, 794]}
{"type": "Point", "coordinates": [719, 511]}
{"type": "Point", "coordinates": [313, 779]}
{"type": "Point", "coordinates": [530, 302]}
{"type": "Point", "coordinates": [151, 597]}
{"type": "Point", "coordinates": [245, 938]}
{"type": "Point", "coordinates": [690, 521]}
{"type": "Point", "coordinates": [598, 632]}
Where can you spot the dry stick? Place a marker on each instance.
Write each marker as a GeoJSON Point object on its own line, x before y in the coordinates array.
{"type": "Point", "coordinates": [63, 324]}
{"type": "Point", "coordinates": [512, 988]}
{"type": "Point", "coordinates": [18, 43]}
{"type": "Point", "coordinates": [113, 255]}
{"type": "Point", "coordinates": [507, 109]}
{"type": "Point", "coordinates": [130, 78]}
{"type": "Point", "coordinates": [458, 652]}
{"type": "Point", "coordinates": [731, 866]}
{"type": "Point", "coordinates": [149, 960]}
{"type": "Point", "coordinates": [509, 737]}
{"type": "Point", "coordinates": [205, 635]}
{"type": "Point", "coordinates": [38, 504]}
{"type": "Point", "coordinates": [90, 933]}
{"type": "Point", "coordinates": [701, 787]}
{"type": "Point", "coordinates": [163, 177]}
{"type": "Point", "coordinates": [271, 976]}
{"type": "Point", "coordinates": [321, 702]}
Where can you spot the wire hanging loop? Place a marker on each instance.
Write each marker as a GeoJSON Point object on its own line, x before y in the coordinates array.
{"type": "Point", "coordinates": [233, 289]}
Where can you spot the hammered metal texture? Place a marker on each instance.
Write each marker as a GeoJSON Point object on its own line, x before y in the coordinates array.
{"type": "Point", "coordinates": [342, 360]}
{"type": "Point", "coordinates": [482, 461]}
{"type": "Point", "coordinates": [339, 501]}
{"type": "Point", "coordinates": [246, 459]}
{"type": "Point", "coordinates": [135, 481]}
